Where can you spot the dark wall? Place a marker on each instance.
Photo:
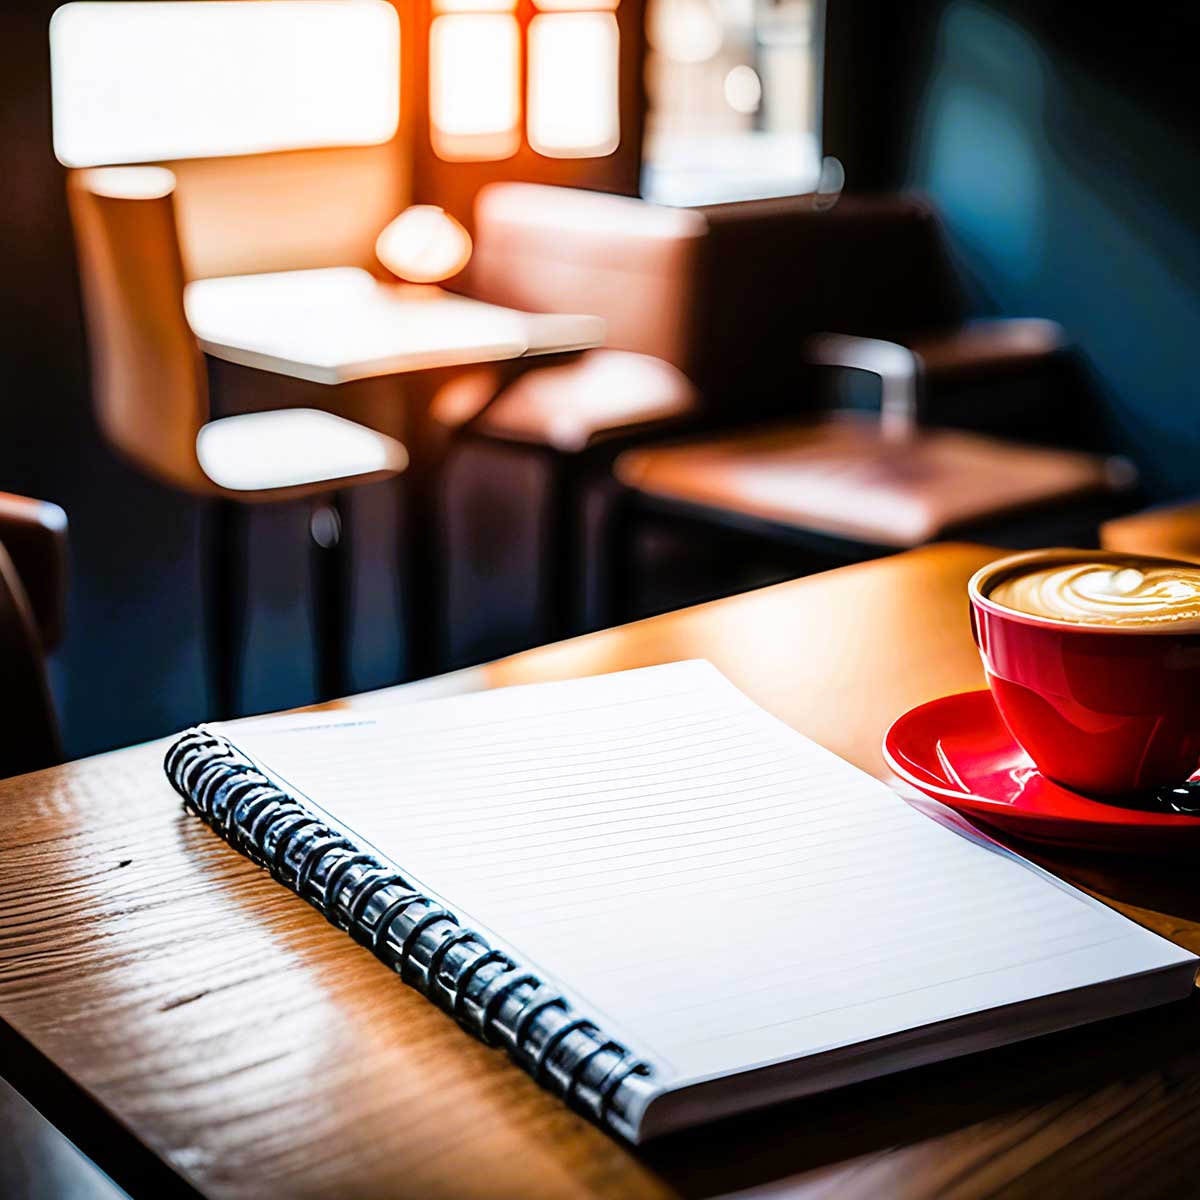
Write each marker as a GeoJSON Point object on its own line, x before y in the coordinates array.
{"type": "Point", "coordinates": [1061, 143]}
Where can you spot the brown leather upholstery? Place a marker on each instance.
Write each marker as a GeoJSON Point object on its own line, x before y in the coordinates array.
{"type": "Point", "coordinates": [839, 476]}
{"type": "Point", "coordinates": [32, 538]}
{"type": "Point", "coordinates": [34, 532]}
{"type": "Point", "coordinates": [549, 249]}
{"type": "Point", "coordinates": [870, 265]}
{"type": "Point", "coordinates": [778, 271]}
{"type": "Point", "coordinates": [987, 347]}
{"type": "Point", "coordinates": [1172, 531]}
{"type": "Point", "coordinates": [149, 381]}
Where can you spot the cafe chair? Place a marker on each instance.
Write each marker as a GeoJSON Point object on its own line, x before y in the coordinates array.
{"type": "Point", "coordinates": [729, 296]}
{"type": "Point", "coordinates": [150, 391]}
{"type": "Point", "coordinates": [33, 585]}
{"type": "Point", "coordinates": [780, 272]}
{"type": "Point", "coordinates": [1169, 531]}
{"type": "Point", "coordinates": [846, 486]}
{"type": "Point", "coordinates": [525, 488]}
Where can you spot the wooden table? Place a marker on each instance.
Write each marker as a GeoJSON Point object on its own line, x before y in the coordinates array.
{"type": "Point", "coordinates": [337, 324]}
{"type": "Point", "coordinates": [185, 1018]}
{"type": "Point", "coordinates": [334, 325]}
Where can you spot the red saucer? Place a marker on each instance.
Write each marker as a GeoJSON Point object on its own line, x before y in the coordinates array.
{"type": "Point", "coordinates": [959, 751]}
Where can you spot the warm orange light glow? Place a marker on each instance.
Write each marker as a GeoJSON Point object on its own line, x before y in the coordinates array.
{"type": "Point", "coordinates": [474, 6]}
{"type": "Point", "coordinates": [474, 98]}
{"type": "Point", "coordinates": [424, 244]}
{"type": "Point", "coordinates": [573, 84]}
{"type": "Point", "coordinates": [574, 5]}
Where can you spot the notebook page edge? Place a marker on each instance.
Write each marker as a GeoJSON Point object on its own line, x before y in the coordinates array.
{"type": "Point", "coordinates": [668, 1110]}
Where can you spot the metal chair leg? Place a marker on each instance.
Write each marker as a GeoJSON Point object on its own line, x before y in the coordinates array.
{"type": "Point", "coordinates": [225, 606]}
{"type": "Point", "coordinates": [560, 550]}
{"type": "Point", "coordinates": [620, 549]}
{"type": "Point", "coordinates": [330, 547]}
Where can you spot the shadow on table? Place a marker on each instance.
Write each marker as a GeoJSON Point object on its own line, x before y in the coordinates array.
{"type": "Point", "coordinates": [1131, 1054]}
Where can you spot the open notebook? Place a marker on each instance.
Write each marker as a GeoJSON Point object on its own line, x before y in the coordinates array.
{"type": "Point", "coordinates": [662, 901]}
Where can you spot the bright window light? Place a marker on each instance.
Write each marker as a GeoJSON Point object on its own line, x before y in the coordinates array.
{"type": "Point", "coordinates": [148, 80]}
{"type": "Point", "coordinates": [474, 99]}
{"type": "Point", "coordinates": [573, 84]}
{"type": "Point", "coordinates": [732, 90]}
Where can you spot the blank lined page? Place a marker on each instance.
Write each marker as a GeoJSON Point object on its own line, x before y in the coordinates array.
{"type": "Point", "coordinates": [715, 888]}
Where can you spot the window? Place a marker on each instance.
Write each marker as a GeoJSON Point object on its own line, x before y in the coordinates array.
{"type": "Point", "coordinates": [732, 112]}
{"type": "Point", "coordinates": [571, 54]}
{"type": "Point", "coordinates": [136, 82]}
{"type": "Point", "coordinates": [474, 98]}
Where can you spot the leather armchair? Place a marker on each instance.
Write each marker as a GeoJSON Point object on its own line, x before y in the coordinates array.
{"type": "Point", "coordinates": [721, 316]}
{"type": "Point", "coordinates": [33, 573]}
{"type": "Point", "coordinates": [778, 274]}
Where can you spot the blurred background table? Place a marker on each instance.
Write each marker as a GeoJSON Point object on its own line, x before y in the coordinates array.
{"type": "Point", "coordinates": [196, 1029]}
{"type": "Point", "coordinates": [335, 325]}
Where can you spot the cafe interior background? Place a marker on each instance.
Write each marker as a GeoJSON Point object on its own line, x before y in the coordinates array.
{"type": "Point", "coordinates": [1055, 151]}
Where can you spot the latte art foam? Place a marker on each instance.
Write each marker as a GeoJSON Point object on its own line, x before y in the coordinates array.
{"type": "Point", "coordinates": [1135, 593]}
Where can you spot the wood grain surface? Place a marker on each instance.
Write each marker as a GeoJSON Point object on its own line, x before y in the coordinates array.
{"type": "Point", "coordinates": [197, 1029]}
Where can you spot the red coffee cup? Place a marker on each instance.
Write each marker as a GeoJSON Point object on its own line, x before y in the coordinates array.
{"type": "Point", "coordinates": [1099, 708]}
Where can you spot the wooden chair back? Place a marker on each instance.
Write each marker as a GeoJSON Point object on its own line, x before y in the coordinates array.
{"type": "Point", "coordinates": [149, 383]}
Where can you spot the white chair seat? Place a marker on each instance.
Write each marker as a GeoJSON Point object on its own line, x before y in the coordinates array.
{"type": "Point", "coordinates": [295, 447]}
{"type": "Point", "coordinates": [569, 405]}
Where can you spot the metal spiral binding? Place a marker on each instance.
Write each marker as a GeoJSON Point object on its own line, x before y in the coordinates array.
{"type": "Point", "coordinates": [489, 993]}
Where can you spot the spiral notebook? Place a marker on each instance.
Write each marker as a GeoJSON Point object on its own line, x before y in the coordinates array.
{"type": "Point", "coordinates": [662, 902]}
